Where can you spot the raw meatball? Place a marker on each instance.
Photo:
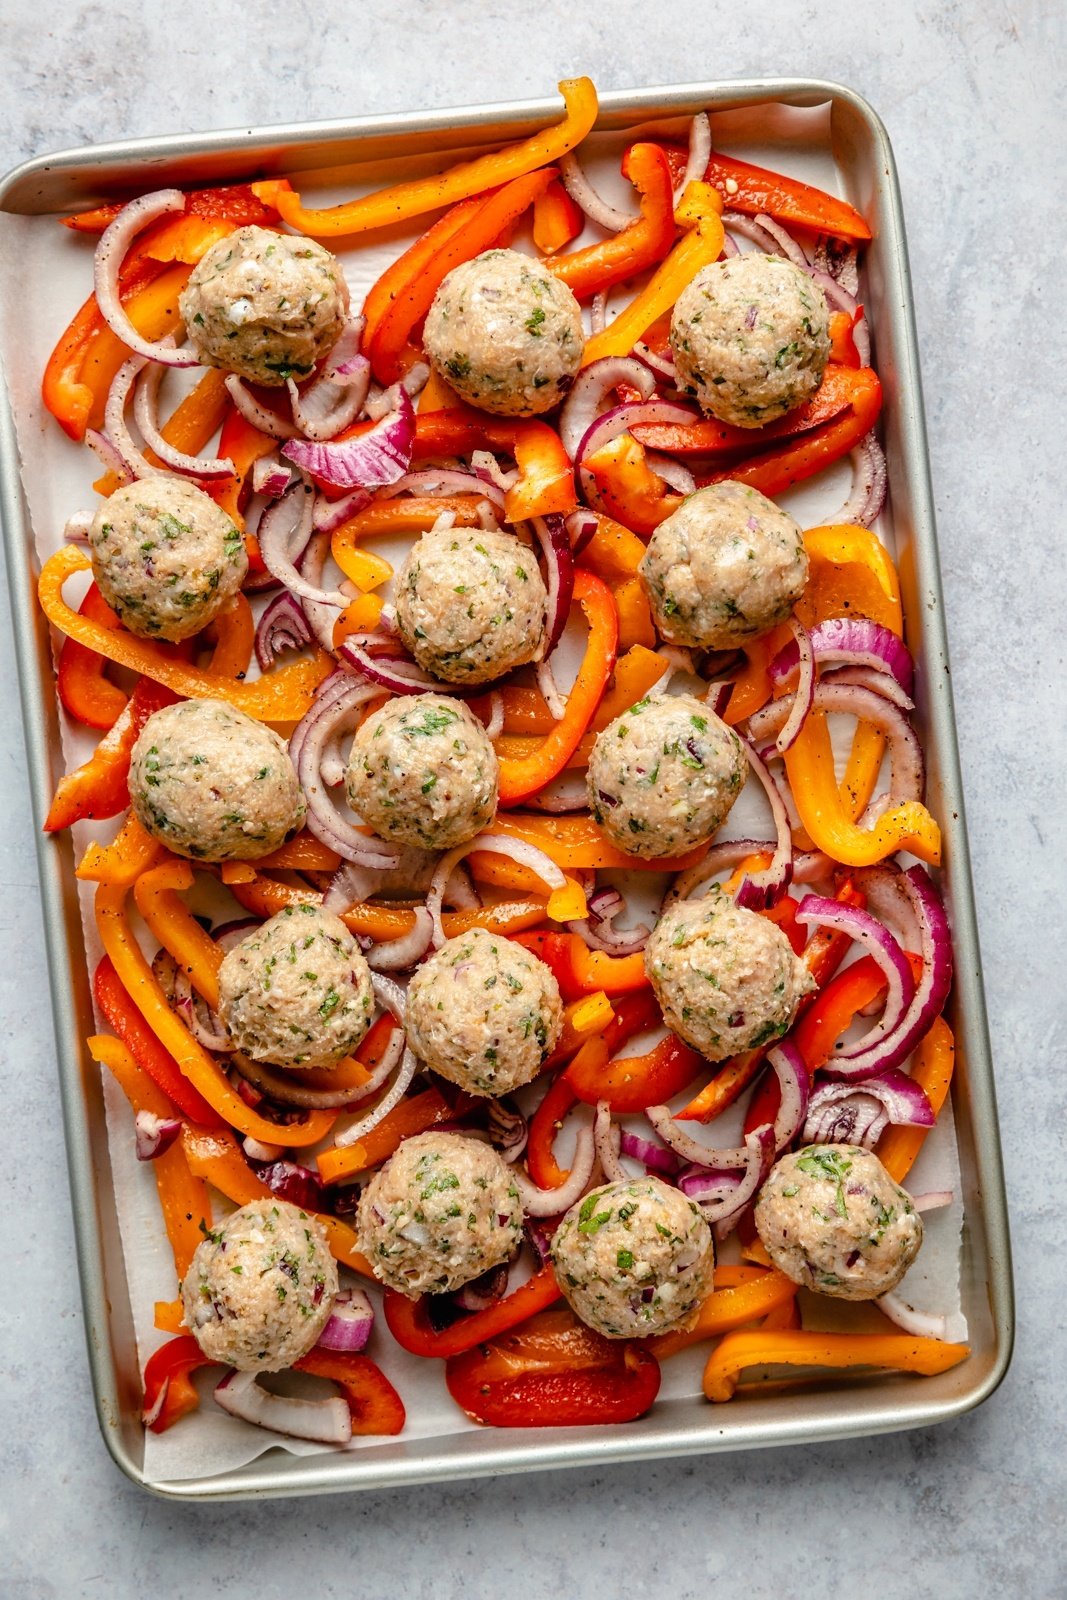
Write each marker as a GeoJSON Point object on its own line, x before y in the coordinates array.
{"type": "Point", "coordinates": [470, 605]}
{"type": "Point", "coordinates": [260, 1288]}
{"type": "Point", "coordinates": [726, 979]}
{"type": "Point", "coordinates": [505, 334]}
{"type": "Point", "coordinates": [751, 337]}
{"type": "Point", "coordinates": [663, 776]}
{"type": "Point", "coordinates": [634, 1258]}
{"type": "Point", "coordinates": [297, 991]}
{"type": "Point", "coordinates": [266, 305]}
{"type": "Point", "coordinates": [833, 1220]}
{"type": "Point", "coordinates": [165, 557]}
{"type": "Point", "coordinates": [211, 783]}
{"type": "Point", "coordinates": [442, 1211]}
{"type": "Point", "coordinates": [725, 567]}
{"type": "Point", "coordinates": [484, 1013]}
{"type": "Point", "coordinates": [422, 772]}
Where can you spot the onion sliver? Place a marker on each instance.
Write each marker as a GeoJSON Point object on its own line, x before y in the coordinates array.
{"type": "Point", "coordinates": [766, 888]}
{"type": "Point", "coordinates": [552, 1202]}
{"type": "Point", "coordinates": [326, 1421]}
{"type": "Point", "coordinates": [881, 946]}
{"type": "Point", "coordinates": [397, 955]}
{"type": "Point", "coordinates": [805, 690]}
{"type": "Point", "coordinates": [337, 708]}
{"type": "Point", "coordinates": [555, 545]}
{"type": "Point", "coordinates": [859, 1113]}
{"type": "Point", "coordinates": [408, 1067]}
{"type": "Point", "coordinates": [699, 153]}
{"type": "Point", "coordinates": [857, 641]}
{"type": "Point", "coordinates": [283, 626]}
{"type": "Point", "coordinates": [606, 1140]}
{"type": "Point", "coordinates": [701, 1155]}
{"type": "Point", "coordinates": [283, 533]}
{"type": "Point", "coordinates": [259, 416]}
{"type": "Point", "coordinates": [369, 460]}
{"type": "Point", "coordinates": [107, 262]}
{"type": "Point", "coordinates": [590, 390]}
{"type": "Point", "coordinates": [517, 850]}
{"type": "Point", "coordinates": [350, 1324]}
{"type": "Point", "coordinates": [146, 412]}
{"type": "Point", "coordinates": [585, 197]}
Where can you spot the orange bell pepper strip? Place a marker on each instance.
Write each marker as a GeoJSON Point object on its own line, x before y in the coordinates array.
{"type": "Point", "coordinates": [546, 478]}
{"type": "Point", "coordinates": [282, 695]}
{"type": "Point", "coordinates": [633, 1083]}
{"type": "Point", "coordinates": [416, 1114]}
{"type": "Point", "coordinates": [740, 1294]}
{"type": "Point", "coordinates": [169, 1391]}
{"type": "Point", "coordinates": [153, 310]}
{"type": "Point", "coordinates": [614, 553]}
{"type": "Point", "coordinates": [234, 633]}
{"type": "Point", "coordinates": [244, 445]}
{"type": "Point", "coordinates": [304, 853]}
{"type": "Point", "coordinates": [408, 514]}
{"type": "Point", "coordinates": [635, 616]}
{"type": "Point", "coordinates": [752, 686]}
{"type": "Point", "coordinates": [475, 234]}
{"type": "Point", "coordinates": [636, 247]}
{"type": "Point", "coordinates": [200, 1068]}
{"type": "Point", "coordinates": [906, 825]}
{"type": "Point", "coordinates": [521, 778]}
{"type": "Point", "coordinates": [410, 1325]}
{"type": "Point", "coordinates": [169, 1316]}
{"type": "Point", "coordinates": [576, 843]}
{"type": "Point", "coordinates": [118, 1010]}
{"type": "Point", "coordinates": [843, 347]}
{"type": "Point", "coordinates": [932, 1071]}
{"type": "Point", "coordinates": [583, 1019]}
{"type": "Point", "coordinates": [192, 947]}
{"type": "Point", "coordinates": [556, 219]}
{"type": "Point", "coordinates": [636, 672]}
{"type": "Point", "coordinates": [401, 273]}
{"type": "Point", "coordinates": [233, 203]}
{"type": "Point", "coordinates": [579, 970]}
{"type": "Point", "coordinates": [100, 786]}
{"type": "Point", "coordinates": [774, 471]}
{"type": "Point", "coordinates": [627, 487]}
{"type": "Point", "coordinates": [709, 437]}
{"type": "Point", "coordinates": [123, 860]}
{"type": "Point", "coordinates": [753, 190]}
{"type": "Point", "coordinates": [697, 249]}
{"type": "Point", "coordinates": [183, 1198]}
{"type": "Point", "coordinates": [374, 1406]}
{"type": "Point", "coordinates": [901, 1352]}
{"type": "Point", "coordinates": [850, 574]}
{"type": "Point", "coordinates": [414, 198]}
{"type": "Point", "coordinates": [84, 691]}
{"type": "Point", "coordinates": [195, 420]}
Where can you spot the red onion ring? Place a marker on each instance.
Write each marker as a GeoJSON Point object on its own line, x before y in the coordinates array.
{"type": "Point", "coordinates": [654, 1156]}
{"type": "Point", "coordinates": [350, 1324]}
{"type": "Point", "coordinates": [553, 1202]}
{"type": "Point", "coordinates": [907, 768]}
{"type": "Point", "coordinates": [487, 469]}
{"type": "Point", "coordinates": [872, 678]}
{"type": "Point", "coordinates": [322, 618]}
{"type": "Point", "coordinates": [805, 689]}
{"type": "Point", "coordinates": [564, 794]}
{"type": "Point", "coordinates": [107, 262]}
{"type": "Point", "coordinates": [327, 1421]}
{"type": "Point", "coordinates": [882, 947]}
{"type": "Point", "coordinates": [146, 412]}
{"type": "Point", "coordinates": [115, 421]}
{"type": "Point", "coordinates": [787, 245]}
{"type": "Point", "coordinates": [603, 429]}
{"type": "Point", "coordinates": [673, 472]}
{"type": "Point", "coordinates": [109, 456]}
{"type": "Point", "coordinates": [359, 1130]}
{"type": "Point", "coordinates": [517, 850]}
{"type": "Point", "coordinates": [283, 626]}
{"type": "Point", "coordinates": [441, 481]}
{"type": "Point", "coordinates": [590, 390]}
{"type": "Point", "coordinates": [700, 1155]}
{"type": "Point", "coordinates": [337, 707]}
{"type": "Point", "coordinates": [606, 1142]}
{"type": "Point", "coordinates": [723, 1198]}
{"type": "Point", "coordinates": [699, 153]}
{"type": "Point", "coordinates": [551, 535]}
{"type": "Point", "coordinates": [154, 1135]}
{"type": "Point", "coordinates": [257, 415]}
{"type": "Point", "coordinates": [870, 483]}
{"type": "Point", "coordinates": [586, 198]}
{"type": "Point", "coordinates": [837, 1114]}
{"type": "Point", "coordinates": [369, 460]}
{"type": "Point", "coordinates": [737, 222]}
{"type": "Point", "coordinates": [794, 1084]}
{"type": "Point", "coordinates": [581, 526]}
{"type": "Point", "coordinates": [597, 932]}
{"type": "Point", "coordinates": [335, 397]}
{"type": "Point", "coordinates": [271, 477]}
{"type": "Point", "coordinates": [662, 366]}
{"type": "Point", "coordinates": [283, 532]}
{"type": "Point", "coordinates": [920, 1324]}
{"type": "Point", "coordinates": [398, 955]}
{"type": "Point", "coordinates": [766, 888]}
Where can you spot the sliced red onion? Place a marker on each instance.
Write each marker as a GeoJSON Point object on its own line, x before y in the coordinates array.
{"type": "Point", "coordinates": [723, 1198]}
{"type": "Point", "coordinates": [229, 934]}
{"type": "Point", "coordinates": [334, 398]}
{"type": "Point", "coordinates": [76, 528]}
{"type": "Point", "coordinates": [566, 793]}
{"type": "Point", "coordinates": [837, 297]}
{"type": "Point", "coordinates": [870, 483]}
{"type": "Point", "coordinates": [487, 469]}
{"type": "Point", "coordinates": [597, 930]}
{"type": "Point", "coordinates": [300, 1186]}
{"type": "Point", "coordinates": [552, 536]}
{"type": "Point", "coordinates": [766, 888]}
{"type": "Point", "coordinates": [861, 335]}
{"type": "Point", "coordinates": [871, 678]}
{"type": "Point", "coordinates": [115, 421]}
{"type": "Point", "coordinates": [787, 245]}
{"type": "Point", "coordinates": [603, 429]}
{"type": "Point", "coordinates": [205, 1026]}
{"type": "Point", "coordinates": [933, 1200]}
{"type": "Point", "coordinates": [720, 858]}
{"type": "Point", "coordinates": [322, 618]}
{"type": "Point", "coordinates": [699, 154]}
{"type": "Point", "coordinates": [286, 1089]}
{"type": "Point", "coordinates": [146, 412]}
{"type": "Point", "coordinates": [154, 1134]}
{"type": "Point", "coordinates": [326, 1421]}
{"type": "Point", "coordinates": [483, 1291]}
{"type": "Point", "coordinates": [591, 389]}
{"type": "Point", "coordinates": [367, 461]}
{"type": "Point", "coordinates": [283, 626]}
{"type": "Point", "coordinates": [255, 413]}
{"type": "Point", "coordinates": [111, 251]}
{"type": "Point", "coordinates": [507, 1129]}
{"type": "Point", "coordinates": [856, 641]}
{"type": "Point", "coordinates": [109, 456]}
{"type": "Point", "coordinates": [494, 725]}
{"type": "Point", "coordinates": [794, 1085]}
{"type": "Point", "coordinates": [262, 1153]}
{"type": "Point", "coordinates": [729, 247]}
{"type": "Point", "coordinates": [349, 886]}
{"type": "Point", "coordinates": [329, 515]}
{"type": "Point", "coordinates": [271, 477]}
{"type": "Point", "coordinates": [546, 682]}
{"type": "Point", "coordinates": [581, 526]}
{"type": "Point", "coordinates": [673, 472]}
{"type": "Point", "coordinates": [586, 198]}
{"type": "Point", "coordinates": [598, 312]}
{"type": "Point", "coordinates": [517, 850]}
{"type": "Point", "coordinates": [434, 481]}
{"type": "Point", "coordinates": [749, 229]}
{"type": "Point", "coordinates": [408, 1067]}
{"type": "Point", "coordinates": [350, 1324]}
{"type": "Point", "coordinates": [859, 1113]}
{"type": "Point", "coordinates": [553, 1202]}
{"type": "Point", "coordinates": [398, 955]}
{"type": "Point", "coordinates": [920, 1324]}
{"type": "Point", "coordinates": [883, 948]}
{"type": "Point", "coordinates": [907, 770]}
{"type": "Point", "coordinates": [838, 260]}
{"type": "Point", "coordinates": [283, 533]}
{"type": "Point", "coordinates": [390, 996]}
{"type": "Point", "coordinates": [662, 366]}
{"type": "Point", "coordinates": [701, 1155]}
{"type": "Point", "coordinates": [337, 707]}
{"type": "Point", "coordinates": [654, 1156]}
{"type": "Point", "coordinates": [805, 689]}
{"type": "Point", "coordinates": [398, 674]}
{"type": "Point", "coordinates": [606, 1142]}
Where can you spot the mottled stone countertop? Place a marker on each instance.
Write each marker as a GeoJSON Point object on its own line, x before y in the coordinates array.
{"type": "Point", "coordinates": [973, 99]}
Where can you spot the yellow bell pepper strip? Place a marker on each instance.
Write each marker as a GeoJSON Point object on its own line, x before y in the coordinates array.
{"type": "Point", "coordinates": [575, 842]}
{"type": "Point", "coordinates": [282, 695]}
{"type": "Point", "coordinates": [585, 1018]}
{"type": "Point", "coordinates": [303, 854]}
{"type": "Point", "coordinates": [156, 893]}
{"type": "Point", "coordinates": [414, 198]}
{"type": "Point", "coordinates": [932, 1070]}
{"type": "Point", "coordinates": [183, 1198]}
{"type": "Point", "coordinates": [699, 248]}
{"type": "Point", "coordinates": [99, 787]}
{"type": "Point", "coordinates": [907, 825]}
{"type": "Point", "coordinates": [627, 487]}
{"type": "Point", "coordinates": [123, 860]}
{"type": "Point", "coordinates": [753, 190]}
{"type": "Point", "coordinates": [851, 574]}
{"type": "Point", "coordinates": [215, 1157]}
{"type": "Point", "coordinates": [416, 1114]}
{"type": "Point", "coordinates": [366, 570]}
{"type": "Point", "coordinates": [522, 778]}
{"type": "Point", "coordinates": [85, 693]}
{"type": "Point", "coordinates": [475, 233]}
{"type": "Point", "coordinates": [195, 420]}
{"type": "Point", "coordinates": [244, 445]}
{"type": "Point", "coordinates": [636, 247]}
{"type": "Point", "coordinates": [200, 1068]}
{"type": "Point", "coordinates": [740, 1294]}
{"type": "Point", "coordinates": [556, 219]}
{"type": "Point", "coordinates": [546, 477]}
{"type": "Point", "coordinates": [901, 1352]}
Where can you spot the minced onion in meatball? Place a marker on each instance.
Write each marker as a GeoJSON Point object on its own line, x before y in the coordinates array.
{"type": "Point", "coordinates": [726, 979]}
{"type": "Point", "coordinates": [470, 605]}
{"type": "Point", "coordinates": [261, 1287]}
{"type": "Point", "coordinates": [726, 566]}
{"type": "Point", "coordinates": [634, 1258]}
{"type": "Point", "coordinates": [297, 991]}
{"type": "Point", "coordinates": [751, 338]}
{"type": "Point", "coordinates": [214, 784]}
{"type": "Point", "coordinates": [265, 305]}
{"type": "Point", "coordinates": [663, 776]}
{"type": "Point", "coordinates": [505, 334]}
{"type": "Point", "coordinates": [484, 1013]}
{"type": "Point", "coordinates": [166, 558]}
{"type": "Point", "coordinates": [441, 1211]}
{"type": "Point", "coordinates": [422, 772]}
{"type": "Point", "coordinates": [832, 1219]}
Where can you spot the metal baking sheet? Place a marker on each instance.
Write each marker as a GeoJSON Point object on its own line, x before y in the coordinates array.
{"type": "Point", "coordinates": [377, 148]}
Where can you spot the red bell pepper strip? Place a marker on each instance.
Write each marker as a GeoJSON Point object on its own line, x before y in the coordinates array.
{"type": "Point", "coordinates": [579, 970]}
{"type": "Point", "coordinates": [456, 245]}
{"type": "Point", "coordinates": [708, 437]}
{"type": "Point", "coordinates": [234, 203]}
{"type": "Point", "coordinates": [556, 219]}
{"type": "Point", "coordinates": [645, 241]}
{"type": "Point", "coordinates": [547, 1120]}
{"type": "Point", "coordinates": [100, 787]}
{"type": "Point", "coordinates": [553, 1372]}
{"type": "Point", "coordinates": [410, 1325]}
{"type": "Point", "coordinates": [84, 691]}
{"type": "Point", "coordinates": [633, 1083]}
{"type": "Point", "coordinates": [546, 477]}
{"type": "Point", "coordinates": [169, 1393]}
{"type": "Point", "coordinates": [64, 392]}
{"type": "Point", "coordinates": [843, 348]}
{"type": "Point", "coordinates": [123, 1017]}
{"type": "Point", "coordinates": [373, 1403]}
{"type": "Point", "coordinates": [932, 1071]}
{"type": "Point", "coordinates": [752, 190]}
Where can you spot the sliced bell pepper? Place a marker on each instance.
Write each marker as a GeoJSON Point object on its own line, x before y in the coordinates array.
{"type": "Point", "coordinates": [521, 778]}
{"type": "Point", "coordinates": [583, 1019]}
{"type": "Point", "coordinates": [633, 1083]}
{"type": "Point", "coordinates": [525, 710]}
{"type": "Point", "coordinates": [627, 487]}
{"type": "Point", "coordinates": [753, 190]}
{"type": "Point", "coordinates": [851, 574]}
{"type": "Point", "coordinates": [739, 1295]}
{"type": "Point", "coordinates": [374, 1405]}
{"type": "Point", "coordinates": [556, 219]}
{"type": "Point", "coordinates": [282, 695]}
{"type": "Point", "coordinates": [401, 273]}
{"type": "Point", "coordinates": [414, 198]}
{"type": "Point", "coordinates": [99, 787]}
{"type": "Point", "coordinates": [455, 245]}
{"type": "Point", "coordinates": [234, 203]}
{"type": "Point", "coordinates": [153, 310]}
{"type": "Point", "coordinates": [932, 1071]}
{"type": "Point", "coordinates": [156, 893]}
{"type": "Point", "coordinates": [546, 478]}
{"type": "Point", "coordinates": [123, 860]}
{"type": "Point", "coordinates": [575, 843]}
{"type": "Point", "coordinates": [169, 1316]}
{"type": "Point", "coordinates": [409, 1322]}
{"type": "Point", "coordinates": [752, 686]}
{"type": "Point", "coordinates": [243, 444]}
{"type": "Point", "coordinates": [416, 1114]}
{"type": "Point", "coordinates": [366, 570]}
{"type": "Point", "coordinates": [709, 437]}
{"type": "Point", "coordinates": [195, 420]}
{"type": "Point", "coordinates": [168, 1388]}
{"type": "Point", "coordinates": [636, 247]}
{"type": "Point", "coordinates": [547, 1120]}
{"type": "Point", "coordinates": [554, 1372]}
{"type": "Point", "coordinates": [697, 249]}
{"type": "Point", "coordinates": [120, 1013]}
{"type": "Point", "coordinates": [901, 1352]}
{"type": "Point", "coordinates": [84, 690]}
{"type": "Point", "coordinates": [579, 970]}
{"type": "Point", "coordinates": [409, 513]}
{"type": "Point", "coordinates": [635, 616]}
{"type": "Point", "coordinates": [233, 631]}
{"type": "Point", "coordinates": [614, 553]}
{"type": "Point", "coordinates": [843, 348]}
